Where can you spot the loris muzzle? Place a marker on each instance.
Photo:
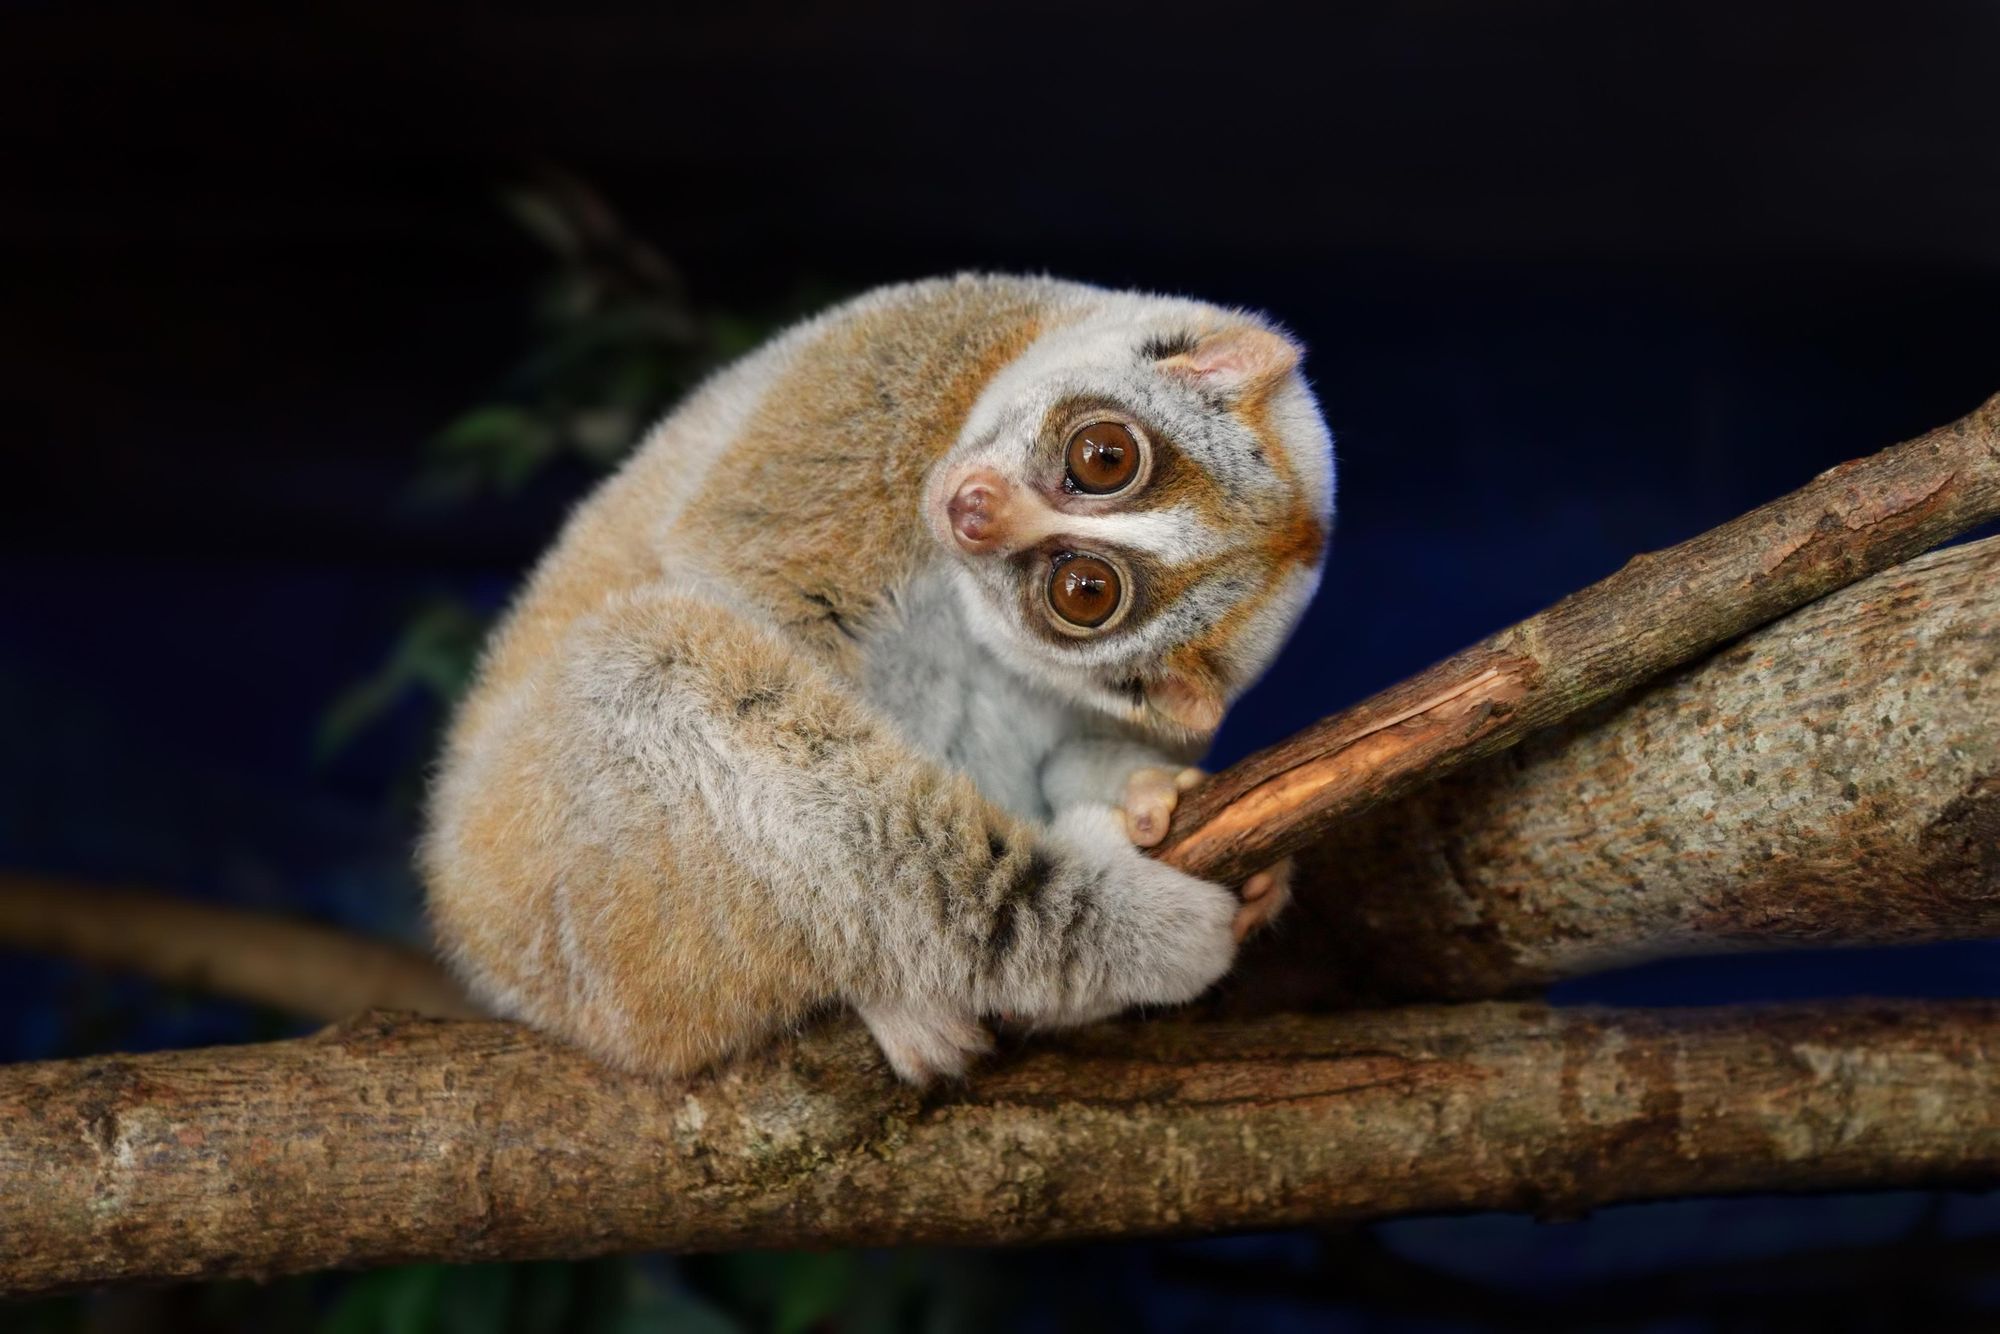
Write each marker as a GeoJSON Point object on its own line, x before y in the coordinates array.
{"type": "Point", "coordinates": [866, 679]}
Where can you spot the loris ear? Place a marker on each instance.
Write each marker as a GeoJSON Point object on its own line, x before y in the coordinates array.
{"type": "Point", "coordinates": [1240, 360]}
{"type": "Point", "coordinates": [1187, 702]}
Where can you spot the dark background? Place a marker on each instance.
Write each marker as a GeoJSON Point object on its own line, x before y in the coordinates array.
{"type": "Point", "coordinates": [1578, 280]}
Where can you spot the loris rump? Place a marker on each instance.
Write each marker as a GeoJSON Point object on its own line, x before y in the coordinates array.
{"type": "Point", "coordinates": [861, 681]}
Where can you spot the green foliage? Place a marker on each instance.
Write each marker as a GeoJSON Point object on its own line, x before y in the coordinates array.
{"type": "Point", "coordinates": [616, 341]}
{"type": "Point", "coordinates": [434, 655]}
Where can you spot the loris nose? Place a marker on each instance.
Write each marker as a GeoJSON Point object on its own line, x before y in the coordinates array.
{"type": "Point", "coordinates": [978, 510]}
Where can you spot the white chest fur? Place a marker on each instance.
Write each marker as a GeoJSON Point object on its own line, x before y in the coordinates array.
{"type": "Point", "coordinates": [953, 700]}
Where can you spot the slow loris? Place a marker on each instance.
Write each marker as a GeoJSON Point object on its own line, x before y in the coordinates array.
{"type": "Point", "coordinates": [861, 680]}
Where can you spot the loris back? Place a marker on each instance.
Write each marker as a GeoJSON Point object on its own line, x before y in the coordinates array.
{"type": "Point", "coordinates": [859, 682]}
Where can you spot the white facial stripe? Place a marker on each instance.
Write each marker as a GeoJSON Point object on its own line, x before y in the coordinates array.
{"type": "Point", "coordinates": [1172, 535]}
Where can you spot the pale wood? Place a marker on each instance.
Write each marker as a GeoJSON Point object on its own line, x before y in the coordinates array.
{"type": "Point", "coordinates": [1660, 611]}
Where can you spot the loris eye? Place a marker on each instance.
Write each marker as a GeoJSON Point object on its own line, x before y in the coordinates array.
{"type": "Point", "coordinates": [1102, 457]}
{"type": "Point", "coordinates": [1084, 591]}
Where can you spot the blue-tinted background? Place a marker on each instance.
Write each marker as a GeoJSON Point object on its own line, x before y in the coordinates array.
{"type": "Point", "coordinates": [1577, 281]}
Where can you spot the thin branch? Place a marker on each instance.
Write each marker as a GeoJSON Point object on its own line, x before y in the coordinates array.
{"type": "Point", "coordinates": [1661, 611]}
{"type": "Point", "coordinates": [1833, 779]}
{"type": "Point", "coordinates": [317, 971]}
{"type": "Point", "coordinates": [398, 1140]}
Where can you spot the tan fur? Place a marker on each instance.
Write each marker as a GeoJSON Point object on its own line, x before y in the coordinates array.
{"type": "Point", "coordinates": [668, 823]}
{"type": "Point", "coordinates": [874, 404]}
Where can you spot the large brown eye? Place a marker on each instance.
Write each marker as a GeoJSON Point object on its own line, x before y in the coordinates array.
{"type": "Point", "coordinates": [1102, 457]}
{"type": "Point", "coordinates": [1084, 591]}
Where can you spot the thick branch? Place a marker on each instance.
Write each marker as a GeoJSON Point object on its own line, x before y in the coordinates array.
{"type": "Point", "coordinates": [317, 971]}
{"type": "Point", "coordinates": [391, 1141]}
{"type": "Point", "coordinates": [1660, 611]}
{"type": "Point", "coordinates": [1831, 779]}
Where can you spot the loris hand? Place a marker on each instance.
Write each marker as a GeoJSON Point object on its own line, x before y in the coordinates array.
{"type": "Point", "coordinates": [1149, 799]}
{"type": "Point", "coordinates": [1148, 803]}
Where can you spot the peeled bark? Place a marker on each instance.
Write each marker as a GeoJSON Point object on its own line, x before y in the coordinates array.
{"type": "Point", "coordinates": [1660, 611]}
{"type": "Point", "coordinates": [388, 1141]}
{"type": "Point", "coordinates": [1832, 779]}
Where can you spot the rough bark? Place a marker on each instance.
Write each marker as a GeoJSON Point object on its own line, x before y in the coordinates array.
{"type": "Point", "coordinates": [391, 1140]}
{"type": "Point", "coordinates": [317, 971]}
{"type": "Point", "coordinates": [1660, 611]}
{"type": "Point", "coordinates": [1831, 779]}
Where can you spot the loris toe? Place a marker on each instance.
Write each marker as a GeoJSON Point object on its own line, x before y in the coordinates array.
{"type": "Point", "coordinates": [1265, 895]}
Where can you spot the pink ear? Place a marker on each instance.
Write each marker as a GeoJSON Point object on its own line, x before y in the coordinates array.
{"type": "Point", "coordinates": [1242, 357]}
{"type": "Point", "coordinates": [1184, 702]}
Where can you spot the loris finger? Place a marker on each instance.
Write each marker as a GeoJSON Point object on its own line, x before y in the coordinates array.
{"type": "Point", "coordinates": [1151, 796]}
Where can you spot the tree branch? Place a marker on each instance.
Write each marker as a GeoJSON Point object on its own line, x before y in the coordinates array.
{"type": "Point", "coordinates": [388, 1141]}
{"type": "Point", "coordinates": [317, 971]}
{"type": "Point", "coordinates": [1831, 779]}
{"type": "Point", "coordinates": [1660, 611]}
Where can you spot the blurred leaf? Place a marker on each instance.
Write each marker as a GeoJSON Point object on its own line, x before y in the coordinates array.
{"type": "Point", "coordinates": [818, 1285]}
{"type": "Point", "coordinates": [387, 1301]}
{"type": "Point", "coordinates": [413, 1300]}
{"type": "Point", "coordinates": [798, 1290]}
{"type": "Point", "coordinates": [436, 652]}
{"type": "Point", "coordinates": [541, 215]}
{"type": "Point", "coordinates": [604, 434]}
{"type": "Point", "coordinates": [506, 444]}
{"type": "Point", "coordinates": [350, 714]}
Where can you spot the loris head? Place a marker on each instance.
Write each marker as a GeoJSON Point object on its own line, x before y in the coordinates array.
{"type": "Point", "coordinates": [1138, 507]}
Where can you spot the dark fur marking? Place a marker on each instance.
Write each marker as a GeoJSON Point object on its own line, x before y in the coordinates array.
{"type": "Point", "coordinates": [999, 937]}
{"type": "Point", "coordinates": [1161, 346]}
{"type": "Point", "coordinates": [1016, 892]}
{"type": "Point", "coordinates": [760, 700]}
{"type": "Point", "coordinates": [1076, 929]}
{"type": "Point", "coordinates": [831, 614]}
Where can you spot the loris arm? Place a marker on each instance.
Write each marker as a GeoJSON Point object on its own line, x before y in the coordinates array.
{"type": "Point", "coordinates": [1145, 785]}
{"type": "Point", "coordinates": [780, 842]}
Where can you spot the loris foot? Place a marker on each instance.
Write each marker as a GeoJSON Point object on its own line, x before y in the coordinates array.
{"type": "Point", "coordinates": [924, 1044]}
{"type": "Point", "coordinates": [1265, 895]}
{"type": "Point", "coordinates": [1151, 794]}
{"type": "Point", "coordinates": [1150, 797]}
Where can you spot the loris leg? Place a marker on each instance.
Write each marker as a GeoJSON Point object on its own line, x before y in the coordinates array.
{"type": "Point", "coordinates": [925, 1043]}
{"type": "Point", "coordinates": [686, 835]}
